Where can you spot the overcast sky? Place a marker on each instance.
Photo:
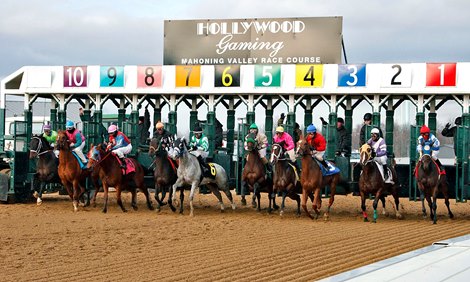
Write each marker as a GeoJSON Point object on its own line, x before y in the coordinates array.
{"type": "Point", "coordinates": [105, 32]}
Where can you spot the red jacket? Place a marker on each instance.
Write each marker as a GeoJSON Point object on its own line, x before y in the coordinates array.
{"type": "Point", "coordinates": [318, 143]}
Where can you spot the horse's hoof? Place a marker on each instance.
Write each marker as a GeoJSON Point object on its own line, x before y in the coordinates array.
{"type": "Point", "coordinates": [124, 210]}
{"type": "Point", "coordinates": [135, 208]}
{"type": "Point", "coordinates": [366, 219]}
{"type": "Point", "coordinates": [173, 209]}
{"type": "Point", "coordinates": [276, 207]}
{"type": "Point", "coordinates": [80, 204]}
{"type": "Point", "coordinates": [326, 217]}
{"type": "Point", "coordinates": [434, 222]}
{"type": "Point", "coordinates": [38, 201]}
{"type": "Point", "coordinates": [270, 210]}
{"type": "Point", "coordinates": [281, 213]}
{"type": "Point", "coordinates": [191, 214]}
{"type": "Point", "coordinates": [374, 221]}
{"type": "Point", "coordinates": [36, 195]}
{"type": "Point", "coordinates": [234, 206]}
{"type": "Point", "coordinates": [297, 214]}
{"type": "Point", "coordinates": [451, 216]}
{"type": "Point", "coordinates": [258, 210]}
{"type": "Point", "coordinates": [104, 211]}
{"type": "Point", "coordinates": [254, 205]}
{"type": "Point", "coordinates": [222, 210]}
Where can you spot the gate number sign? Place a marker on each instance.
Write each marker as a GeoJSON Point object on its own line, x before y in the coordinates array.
{"type": "Point", "coordinates": [75, 76]}
{"type": "Point", "coordinates": [149, 76]}
{"type": "Point", "coordinates": [440, 74]}
{"type": "Point", "coordinates": [112, 76]}
{"type": "Point", "coordinates": [351, 75]}
{"type": "Point", "coordinates": [188, 76]}
{"type": "Point", "coordinates": [267, 75]}
{"type": "Point", "coordinates": [309, 75]}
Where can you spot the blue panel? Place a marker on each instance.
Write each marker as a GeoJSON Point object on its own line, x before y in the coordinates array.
{"type": "Point", "coordinates": [351, 75]}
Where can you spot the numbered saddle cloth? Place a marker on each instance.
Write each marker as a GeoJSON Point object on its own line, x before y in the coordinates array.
{"type": "Point", "coordinates": [331, 168]}
{"type": "Point", "coordinates": [130, 167]}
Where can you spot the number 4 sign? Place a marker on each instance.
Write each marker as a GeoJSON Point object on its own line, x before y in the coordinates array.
{"type": "Point", "coordinates": [441, 74]}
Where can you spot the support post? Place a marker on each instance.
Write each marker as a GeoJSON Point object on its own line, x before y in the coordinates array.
{"type": "Point", "coordinates": [268, 124]}
{"type": "Point", "coordinates": [389, 129]}
{"type": "Point", "coordinates": [230, 127]}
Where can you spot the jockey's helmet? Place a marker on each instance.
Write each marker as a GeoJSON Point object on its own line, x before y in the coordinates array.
{"type": "Point", "coordinates": [112, 128]}
{"type": "Point", "coordinates": [279, 129]}
{"type": "Point", "coordinates": [375, 130]}
{"type": "Point", "coordinates": [250, 140]}
{"type": "Point", "coordinates": [69, 125]}
{"type": "Point", "coordinates": [46, 127]}
{"type": "Point", "coordinates": [311, 129]}
{"type": "Point", "coordinates": [197, 130]}
{"type": "Point", "coordinates": [368, 116]}
{"type": "Point", "coordinates": [159, 125]}
{"type": "Point", "coordinates": [424, 130]}
{"type": "Point", "coordinates": [253, 126]}
{"type": "Point", "coordinates": [458, 120]}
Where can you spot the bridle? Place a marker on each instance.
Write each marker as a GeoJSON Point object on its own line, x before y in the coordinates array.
{"type": "Point", "coordinates": [38, 149]}
{"type": "Point", "coordinates": [281, 151]}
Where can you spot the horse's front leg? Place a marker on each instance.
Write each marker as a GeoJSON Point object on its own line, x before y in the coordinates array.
{"type": "Point", "coordinates": [284, 194]}
{"type": "Point", "coordinates": [41, 188]}
{"type": "Point", "coordinates": [134, 199]}
{"type": "Point", "coordinates": [191, 198]}
{"type": "Point", "coordinates": [423, 207]}
{"type": "Point", "coordinates": [434, 203]}
{"type": "Point", "coordinates": [253, 200]}
{"type": "Point", "coordinates": [305, 194]}
{"type": "Point", "coordinates": [178, 183]}
{"type": "Point", "coordinates": [181, 200]}
{"type": "Point", "coordinates": [75, 188]}
{"type": "Point", "coordinates": [316, 206]}
{"type": "Point", "coordinates": [444, 190]}
{"type": "Point", "coordinates": [170, 202]}
{"type": "Point", "coordinates": [378, 195]}
{"type": "Point", "coordinates": [363, 206]}
{"type": "Point", "coordinates": [243, 192]}
{"type": "Point", "coordinates": [429, 200]}
{"type": "Point", "coordinates": [105, 197]}
{"type": "Point", "coordinates": [326, 216]}
{"type": "Point", "coordinates": [118, 195]}
{"type": "Point", "coordinates": [97, 189]}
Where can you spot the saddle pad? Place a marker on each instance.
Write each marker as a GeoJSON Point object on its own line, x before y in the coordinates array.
{"type": "Point", "coordinates": [331, 168]}
{"type": "Point", "coordinates": [80, 163]}
{"type": "Point", "coordinates": [297, 178]}
{"type": "Point", "coordinates": [212, 171]}
{"type": "Point", "coordinates": [130, 167]}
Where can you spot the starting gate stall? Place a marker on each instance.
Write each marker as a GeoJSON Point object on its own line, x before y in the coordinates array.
{"type": "Point", "coordinates": [309, 86]}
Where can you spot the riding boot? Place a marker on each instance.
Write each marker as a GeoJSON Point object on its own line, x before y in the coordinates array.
{"type": "Point", "coordinates": [388, 175]}
{"type": "Point", "coordinates": [441, 167]}
{"type": "Point", "coordinates": [123, 163]}
{"type": "Point", "coordinates": [324, 164]}
{"type": "Point", "coordinates": [203, 165]}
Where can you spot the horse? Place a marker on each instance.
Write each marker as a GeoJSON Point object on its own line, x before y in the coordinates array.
{"type": "Point", "coordinates": [111, 175]}
{"type": "Point", "coordinates": [371, 181]}
{"type": "Point", "coordinates": [164, 173]}
{"type": "Point", "coordinates": [284, 178]}
{"type": "Point", "coordinates": [313, 181]}
{"type": "Point", "coordinates": [429, 183]}
{"type": "Point", "coordinates": [190, 173]}
{"type": "Point", "coordinates": [254, 176]}
{"type": "Point", "coordinates": [70, 173]}
{"type": "Point", "coordinates": [47, 164]}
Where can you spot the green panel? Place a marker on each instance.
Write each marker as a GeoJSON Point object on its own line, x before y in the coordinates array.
{"type": "Point", "coordinates": [412, 189]}
{"type": "Point", "coordinates": [172, 122]}
{"type": "Point", "coordinates": [432, 122]}
{"type": "Point", "coordinates": [331, 136]}
{"type": "Point", "coordinates": [230, 131]}
{"type": "Point", "coordinates": [210, 132]}
{"type": "Point", "coordinates": [389, 133]}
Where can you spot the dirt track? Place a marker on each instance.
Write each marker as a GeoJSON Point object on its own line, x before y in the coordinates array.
{"type": "Point", "coordinates": [50, 242]}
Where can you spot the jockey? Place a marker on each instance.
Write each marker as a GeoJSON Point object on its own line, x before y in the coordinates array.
{"type": "Point", "coordinates": [261, 143]}
{"type": "Point", "coordinates": [199, 147]}
{"type": "Point", "coordinates": [51, 137]}
{"type": "Point", "coordinates": [379, 152]}
{"type": "Point", "coordinates": [426, 138]}
{"type": "Point", "coordinates": [119, 144]}
{"type": "Point", "coordinates": [287, 142]}
{"type": "Point", "coordinates": [317, 143]}
{"type": "Point", "coordinates": [164, 137]}
{"type": "Point", "coordinates": [76, 139]}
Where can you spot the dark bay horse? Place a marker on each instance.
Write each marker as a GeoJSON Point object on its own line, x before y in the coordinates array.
{"type": "Point", "coordinates": [164, 173]}
{"type": "Point", "coordinates": [189, 173]}
{"type": "Point", "coordinates": [70, 173]}
{"type": "Point", "coordinates": [430, 183]}
{"type": "Point", "coordinates": [371, 182]}
{"type": "Point", "coordinates": [284, 178]}
{"type": "Point", "coordinates": [111, 175]}
{"type": "Point", "coordinates": [255, 179]}
{"type": "Point", "coordinates": [313, 181]}
{"type": "Point", "coordinates": [47, 165]}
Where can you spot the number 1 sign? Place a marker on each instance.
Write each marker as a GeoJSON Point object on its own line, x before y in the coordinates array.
{"type": "Point", "coordinates": [441, 74]}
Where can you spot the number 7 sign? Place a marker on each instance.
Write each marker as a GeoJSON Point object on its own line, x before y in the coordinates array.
{"type": "Point", "coordinates": [441, 74]}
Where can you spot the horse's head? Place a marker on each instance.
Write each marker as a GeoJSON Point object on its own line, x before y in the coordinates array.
{"type": "Point", "coordinates": [303, 148]}
{"type": "Point", "coordinates": [62, 141]}
{"type": "Point", "coordinates": [425, 160]}
{"type": "Point", "coordinates": [365, 154]}
{"type": "Point", "coordinates": [180, 147]}
{"type": "Point", "coordinates": [277, 152]}
{"type": "Point", "coordinates": [38, 145]}
{"type": "Point", "coordinates": [251, 143]}
{"type": "Point", "coordinates": [154, 146]}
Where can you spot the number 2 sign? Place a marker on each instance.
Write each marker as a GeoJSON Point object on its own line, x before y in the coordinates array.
{"type": "Point", "coordinates": [441, 74]}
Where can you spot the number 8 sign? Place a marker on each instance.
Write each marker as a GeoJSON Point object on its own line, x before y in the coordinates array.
{"type": "Point", "coordinates": [149, 76]}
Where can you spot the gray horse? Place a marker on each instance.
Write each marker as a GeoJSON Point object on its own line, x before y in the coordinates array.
{"type": "Point", "coordinates": [189, 173]}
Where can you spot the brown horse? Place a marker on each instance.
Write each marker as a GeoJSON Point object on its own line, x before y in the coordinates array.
{"type": "Point", "coordinates": [371, 182]}
{"type": "Point", "coordinates": [430, 183]}
{"type": "Point", "coordinates": [111, 175]}
{"type": "Point", "coordinates": [313, 181]}
{"type": "Point", "coordinates": [285, 180]}
{"type": "Point", "coordinates": [70, 173]}
{"type": "Point", "coordinates": [164, 174]}
{"type": "Point", "coordinates": [254, 177]}
{"type": "Point", "coordinates": [46, 166]}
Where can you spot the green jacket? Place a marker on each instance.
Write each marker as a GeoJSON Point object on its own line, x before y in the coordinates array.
{"type": "Point", "coordinates": [52, 138]}
{"type": "Point", "coordinates": [201, 144]}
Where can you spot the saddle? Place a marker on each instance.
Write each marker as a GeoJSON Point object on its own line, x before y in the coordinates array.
{"type": "Point", "coordinates": [331, 168]}
{"type": "Point", "coordinates": [441, 171]}
{"type": "Point", "coordinates": [208, 169]}
{"type": "Point", "coordinates": [82, 165]}
{"type": "Point", "coordinates": [130, 167]}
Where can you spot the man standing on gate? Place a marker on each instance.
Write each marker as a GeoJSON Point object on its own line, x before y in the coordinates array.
{"type": "Point", "coordinates": [362, 134]}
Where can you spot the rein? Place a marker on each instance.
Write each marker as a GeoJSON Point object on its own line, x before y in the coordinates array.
{"type": "Point", "coordinates": [101, 160]}
{"type": "Point", "coordinates": [277, 156]}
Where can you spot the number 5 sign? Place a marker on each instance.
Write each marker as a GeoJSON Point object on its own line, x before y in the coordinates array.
{"type": "Point", "coordinates": [441, 74]}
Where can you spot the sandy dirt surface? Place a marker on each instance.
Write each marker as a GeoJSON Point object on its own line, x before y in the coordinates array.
{"type": "Point", "coordinates": [52, 243]}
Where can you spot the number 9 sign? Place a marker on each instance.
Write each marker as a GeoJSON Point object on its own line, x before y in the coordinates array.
{"type": "Point", "coordinates": [111, 76]}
